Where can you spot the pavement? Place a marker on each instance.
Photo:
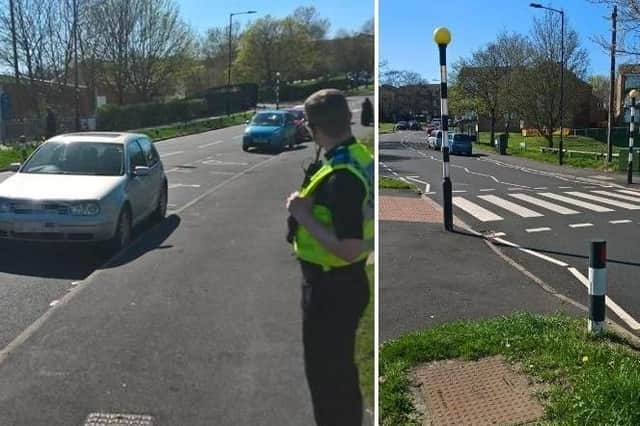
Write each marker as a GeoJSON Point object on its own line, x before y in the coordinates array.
{"type": "Point", "coordinates": [197, 323]}
{"type": "Point", "coordinates": [541, 215]}
{"type": "Point", "coordinates": [429, 276]}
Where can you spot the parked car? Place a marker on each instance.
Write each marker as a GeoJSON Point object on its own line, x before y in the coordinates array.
{"type": "Point", "coordinates": [270, 130]}
{"type": "Point", "coordinates": [414, 125]}
{"type": "Point", "coordinates": [401, 125]}
{"type": "Point", "coordinates": [300, 120]}
{"type": "Point", "coordinates": [459, 143]}
{"type": "Point", "coordinates": [84, 187]}
{"type": "Point", "coordinates": [435, 140]}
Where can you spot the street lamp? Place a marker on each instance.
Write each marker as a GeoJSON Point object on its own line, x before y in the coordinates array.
{"type": "Point", "coordinates": [634, 94]}
{"type": "Point", "coordinates": [231, 15]}
{"type": "Point", "coordinates": [561, 12]}
{"type": "Point", "coordinates": [278, 90]}
{"type": "Point", "coordinates": [442, 37]}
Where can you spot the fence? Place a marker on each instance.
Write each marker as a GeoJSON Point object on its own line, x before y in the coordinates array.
{"type": "Point", "coordinates": [35, 128]}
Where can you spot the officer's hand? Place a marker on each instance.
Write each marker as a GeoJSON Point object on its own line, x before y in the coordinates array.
{"type": "Point", "coordinates": [299, 206]}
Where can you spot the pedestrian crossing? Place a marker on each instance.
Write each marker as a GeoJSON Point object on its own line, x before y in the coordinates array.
{"type": "Point", "coordinates": [495, 208]}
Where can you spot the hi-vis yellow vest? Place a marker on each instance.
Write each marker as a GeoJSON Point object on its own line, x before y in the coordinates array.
{"type": "Point", "coordinates": [355, 158]}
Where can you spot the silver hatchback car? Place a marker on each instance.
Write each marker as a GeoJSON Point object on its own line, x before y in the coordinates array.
{"type": "Point", "coordinates": [90, 187]}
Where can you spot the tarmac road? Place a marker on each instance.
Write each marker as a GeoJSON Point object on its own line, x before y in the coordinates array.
{"type": "Point", "coordinates": [197, 323]}
{"type": "Point", "coordinates": [553, 213]}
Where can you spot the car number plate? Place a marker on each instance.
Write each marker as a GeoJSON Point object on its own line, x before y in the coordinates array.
{"type": "Point", "coordinates": [29, 227]}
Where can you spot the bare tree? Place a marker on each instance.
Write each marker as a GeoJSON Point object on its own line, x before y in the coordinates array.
{"type": "Point", "coordinates": [310, 19]}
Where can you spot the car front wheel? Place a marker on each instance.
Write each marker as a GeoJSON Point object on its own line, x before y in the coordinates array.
{"type": "Point", "coordinates": [122, 236]}
{"type": "Point", "coordinates": [161, 209]}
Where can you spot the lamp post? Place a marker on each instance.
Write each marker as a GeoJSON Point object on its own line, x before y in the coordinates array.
{"type": "Point", "coordinates": [231, 15]}
{"type": "Point", "coordinates": [634, 94]}
{"type": "Point", "coordinates": [442, 37]}
{"type": "Point", "coordinates": [561, 12]}
{"type": "Point", "coordinates": [278, 90]}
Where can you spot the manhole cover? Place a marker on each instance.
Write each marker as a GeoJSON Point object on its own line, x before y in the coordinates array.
{"type": "Point", "coordinates": [484, 392]}
{"type": "Point", "coordinates": [107, 419]}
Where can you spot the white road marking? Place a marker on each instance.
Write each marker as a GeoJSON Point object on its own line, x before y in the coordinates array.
{"type": "Point", "coordinates": [496, 234]}
{"type": "Point", "coordinates": [616, 222]}
{"type": "Point", "coordinates": [581, 225]}
{"type": "Point", "coordinates": [636, 193]}
{"type": "Point", "coordinates": [620, 196]}
{"type": "Point", "coordinates": [487, 190]}
{"type": "Point", "coordinates": [544, 204]}
{"type": "Point", "coordinates": [182, 185]}
{"type": "Point", "coordinates": [565, 187]}
{"type": "Point", "coordinates": [475, 210]}
{"type": "Point", "coordinates": [540, 188]}
{"type": "Point", "coordinates": [223, 163]}
{"type": "Point", "coordinates": [459, 191]}
{"type": "Point", "coordinates": [169, 154]}
{"type": "Point", "coordinates": [621, 313]}
{"type": "Point", "coordinates": [538, 229]}
{"type": "Point", "coordinates": [578, 203]}
{"type": "Point", "coordinates": [532, 252]}
{"type": "Point", "coordinates": [512, 207]}
{"type": "Point", "coordinates": [604, 200]}
{"type": "Point", "coordinates": [416, 180]}
{"type": "Point", "coordinates": [210, 144]}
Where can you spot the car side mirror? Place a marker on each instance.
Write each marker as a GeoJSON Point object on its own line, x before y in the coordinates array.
{"type": "Point", "coordinates": [14, 167]}
{"type": "Point", "coordinates": [246, 122]}
{"type": "Point", "coordinates": [141, 171]}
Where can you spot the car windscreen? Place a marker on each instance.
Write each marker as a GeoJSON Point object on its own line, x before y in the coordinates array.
{"type": "Point", "coordinates": [298, 114]}
{"type": "Point", "coordinates": [77, 158]}
{"type": "Point", "coordinates": [267, 119]}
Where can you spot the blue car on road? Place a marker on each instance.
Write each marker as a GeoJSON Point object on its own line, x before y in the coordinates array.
{"type": "Point", "coordinates": [270, 130]}
{"type": "Point", "coordinates": [459, 143]}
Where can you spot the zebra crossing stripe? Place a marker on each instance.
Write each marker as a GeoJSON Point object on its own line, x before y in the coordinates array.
{"type": "Point", "coordinates": [620, 196]}
{"type": "Point", "coordinates": [508, 205]}
{"type": "Point", "coordinates": [604, 200]}
{"type": "Point", "coordinates": [475, 210]}
{"type": "Point", "coordinates": [556, 208]}
{"type": "Point", "coordinates": [624, 191]}
{"type": "Point", "coordinates": [584, 205]}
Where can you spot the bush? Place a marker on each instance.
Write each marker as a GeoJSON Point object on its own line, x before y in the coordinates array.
{"type": "Point", "coordinates": [136, 116]}
{"type": "Point", "coordinates": [301, 91]}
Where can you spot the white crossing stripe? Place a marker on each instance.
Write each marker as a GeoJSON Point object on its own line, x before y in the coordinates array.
{"type": "Point", "coordinates": [508, 205]}
{"type": "Point", "coordinates": [620, 196]}
{"type": "Point", "coordinates": [544, 204]}
{"type": "Point", "coordinates": [574, 202]}
{"type": "Point", "coordinates": [616, 222]}
{"type": "Point", "coordinates": [475, 210]}
{"type": "Point", "coordinates": [487, 189]}
{"type": "Point", "coordinates": [538, 229]}
{"type": "Point", "coordinates": [624, 191]}
{"type": "Point", "coordinates": [581, 225]}
{"type": "Point", "coordinates": [604, 200]}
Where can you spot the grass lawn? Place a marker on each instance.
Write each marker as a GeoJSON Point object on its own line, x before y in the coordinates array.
{"type": "Point", "coordinates": [385, 128]}
{"type": "Point", "coordinates": [534, 143]}
{"type": "Point", "coordinates": [365, 345]}
{"type": "Point", "coordinates": [590, 381]}
{"type": "Point", "coordinates": [391, 183]}
{"type": "Point", "coordinates": [14, 155]}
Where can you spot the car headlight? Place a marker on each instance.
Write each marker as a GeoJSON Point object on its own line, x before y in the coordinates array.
{"type": "Point", "coordinates": [5, 205]}
{"type": "Point", "coordinates": [90, 208]}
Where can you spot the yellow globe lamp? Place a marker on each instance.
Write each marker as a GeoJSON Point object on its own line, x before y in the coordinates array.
{"type": "Point", "coordinates": [441, 35]}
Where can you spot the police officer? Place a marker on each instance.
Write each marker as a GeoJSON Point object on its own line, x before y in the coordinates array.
{"type": "Point", "coordinates": [332, 241]}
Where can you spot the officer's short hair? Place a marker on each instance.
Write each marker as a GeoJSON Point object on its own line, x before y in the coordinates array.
{"type": "Point", "coordinates": [328, 111]}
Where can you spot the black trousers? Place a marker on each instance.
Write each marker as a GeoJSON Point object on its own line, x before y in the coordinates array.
{"type": "Point", "coordinates": [333, 303]}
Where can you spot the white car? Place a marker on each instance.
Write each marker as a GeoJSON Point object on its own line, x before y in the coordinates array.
{"type": "Point", "coordinates": [84, 187]}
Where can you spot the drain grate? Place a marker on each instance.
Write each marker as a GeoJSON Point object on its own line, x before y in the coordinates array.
{"type": "Point", "coordinates": [108, 419]}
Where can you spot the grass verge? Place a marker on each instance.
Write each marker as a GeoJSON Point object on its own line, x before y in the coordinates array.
{"type": "Point", "coordinates": [391, 183]}
{"type": "Point", "coordinates": [196, 126]}
{"type": "Point", "coordinates": [361, 91]}
{"type": "Point", "coordinates": [385, 128]}
{"type": "Point", "coordinates": [14, 155]}
{"type": "Point", "coordinates": [365, 345]}
{"type": "Point", "coordinates": [573, 143]}
{"type": "Point", "coordinates": [590, 381]}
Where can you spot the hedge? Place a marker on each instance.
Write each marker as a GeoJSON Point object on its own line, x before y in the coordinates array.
{"type": "Point", "coordinates": [125, 117]}
{"type": "Point", "coordinates": [298, 92]}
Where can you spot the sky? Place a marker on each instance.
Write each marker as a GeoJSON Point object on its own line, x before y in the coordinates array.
{"type": "Point", "coordinates": [343, 14]}
{"type": "Point", "coordinates": [406, 29]}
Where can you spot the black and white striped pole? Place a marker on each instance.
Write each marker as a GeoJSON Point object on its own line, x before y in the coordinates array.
{"type": "Point", "coordinates": [278, 90]}
{"type": "Point", "coordinates": [442, 37]}
{"type": "Point", "coordinates": [632, 118]}
{"type": "Point", "coordinates": [597, 286]}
